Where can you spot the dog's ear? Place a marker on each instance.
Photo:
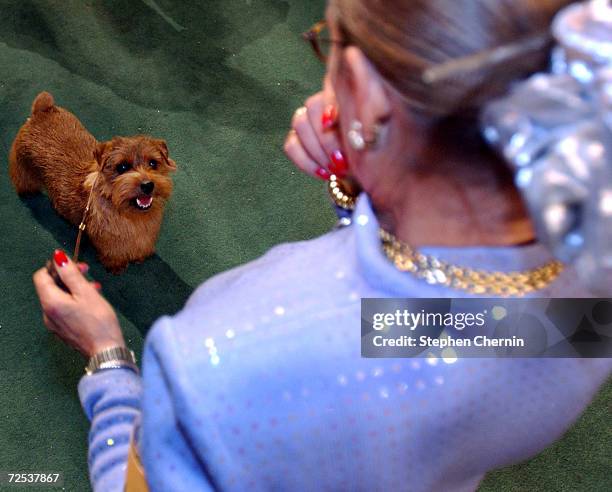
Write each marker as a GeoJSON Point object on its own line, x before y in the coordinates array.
{"type": "Point", "coordinates": [163, 149]}
{"type": "Point", "coordinates": [100, 153]}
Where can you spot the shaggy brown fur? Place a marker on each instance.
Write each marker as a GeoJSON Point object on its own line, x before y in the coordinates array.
{"type": "Point", "coordinates": [132, 184]}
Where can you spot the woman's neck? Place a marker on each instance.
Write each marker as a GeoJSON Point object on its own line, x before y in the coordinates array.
{"type": "Point", "coordinates": [478, 206]}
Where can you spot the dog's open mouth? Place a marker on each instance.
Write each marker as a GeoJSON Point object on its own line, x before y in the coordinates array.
{"type": "Point", "coordinates": [143, 202]}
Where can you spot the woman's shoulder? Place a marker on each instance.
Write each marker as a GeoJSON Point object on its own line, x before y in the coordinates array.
{"type": "Point", "coordinates": [300, 266]}
{"type": "Point", "coordinates": [294, 290]}
{"type": "Point", "coordinates": [292, 281]}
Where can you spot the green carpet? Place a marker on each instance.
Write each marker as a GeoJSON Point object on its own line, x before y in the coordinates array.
{"type": "Point", "coordinates": [219, 81]}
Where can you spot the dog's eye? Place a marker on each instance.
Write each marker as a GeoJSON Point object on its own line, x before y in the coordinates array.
{"type": "Point", "coordinates": [122, 167]}
{"type": "Point", "coordinates": [153, 164]}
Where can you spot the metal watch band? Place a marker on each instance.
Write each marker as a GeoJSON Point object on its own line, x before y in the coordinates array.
{"type": "Point", "coordinates": [112, 358]}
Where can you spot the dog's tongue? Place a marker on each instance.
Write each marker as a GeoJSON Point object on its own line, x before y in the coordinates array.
{"type": "Point", "coordinates": [144, 201]}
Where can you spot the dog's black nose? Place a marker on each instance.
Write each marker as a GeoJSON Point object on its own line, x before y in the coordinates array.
{"type": "Point", "coordinates": [147, 187]}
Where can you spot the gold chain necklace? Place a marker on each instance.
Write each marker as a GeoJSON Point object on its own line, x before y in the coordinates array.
{"type": "Point", "coordinates": [436, 272]}
{"type": "Point", "coordinates": [480, 282]}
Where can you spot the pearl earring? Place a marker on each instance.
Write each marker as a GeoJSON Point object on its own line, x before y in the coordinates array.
{"type": "Point", "coordinates": [356, 138]}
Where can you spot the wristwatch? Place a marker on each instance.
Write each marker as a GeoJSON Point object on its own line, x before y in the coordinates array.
{"type": "Point", "coordinates": [112, 358]}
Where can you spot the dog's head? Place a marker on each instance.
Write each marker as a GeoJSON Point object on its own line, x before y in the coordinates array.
{"type": "Point", "coordinates": [134, 173]}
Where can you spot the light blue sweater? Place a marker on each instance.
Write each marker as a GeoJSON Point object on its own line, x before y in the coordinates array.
{"type": "Point", "coordinates": [258, 383]}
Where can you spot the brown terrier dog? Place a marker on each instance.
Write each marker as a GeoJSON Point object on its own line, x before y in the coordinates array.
{"type": "Point", "coordinates": [129, 175]}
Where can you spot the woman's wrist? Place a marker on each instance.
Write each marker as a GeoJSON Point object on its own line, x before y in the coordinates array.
{"type": "Point", "coordinates": [112, 338]}
{"type": "Point", "coordinates": [102, 346]}
{"type": "Point", "coordinates": [117, 357]}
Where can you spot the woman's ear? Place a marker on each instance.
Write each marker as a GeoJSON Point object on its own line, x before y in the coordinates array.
{"type": "Point", "coordinates": [372, 103]}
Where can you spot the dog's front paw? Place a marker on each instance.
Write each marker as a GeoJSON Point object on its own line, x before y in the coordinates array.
{"type": "Point", "coordinates": [113, 266]}
{"type": "Point", "coordinates": [141, 259]}
{"type": "Point", "coordinates": [117, 270]}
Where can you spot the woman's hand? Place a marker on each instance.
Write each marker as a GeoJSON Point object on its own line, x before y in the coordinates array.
{"type": "Point", "coordinates": [312, 143]}
{"type": "Point", "coordinates": [83, 319]}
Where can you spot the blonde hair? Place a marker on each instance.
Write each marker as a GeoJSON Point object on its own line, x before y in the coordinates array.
{"type": "Point", "coordinates": [405, 38]}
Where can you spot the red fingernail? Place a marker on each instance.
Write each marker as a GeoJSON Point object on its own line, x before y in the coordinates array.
{"type": "Point", "coordinates": [97, 285]}
{"type": "Point", "coordinates": [338, 164]}
{"type": "Point", "coordinates": [323, 173]}
{"type": "Point", "coordinates": [60, 258]}
{"type": "Point", "coordinates": [329, 117]}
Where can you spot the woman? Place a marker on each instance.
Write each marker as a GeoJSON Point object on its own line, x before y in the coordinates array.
{"type": "Point", "coordinates": [258, 382]}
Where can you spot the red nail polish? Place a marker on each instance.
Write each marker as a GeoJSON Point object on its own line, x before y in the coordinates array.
{"type": "Point", "coordinates": [323, 173]}
{"type": "Point", "coordinates": [60, 258]}
{"type": "Point", "coordinates": [338, 165]}
{"type": "Point", "coordinates": [97, 285]}
{"type": "Point", "coordinates": [329, 117]}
